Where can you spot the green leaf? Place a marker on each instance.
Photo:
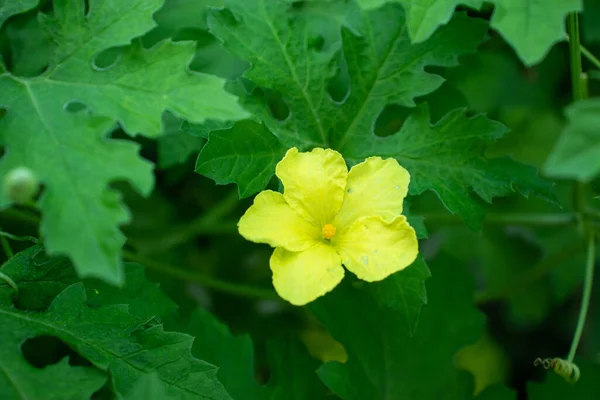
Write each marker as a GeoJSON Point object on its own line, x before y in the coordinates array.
{"type": "Point", "coordinates": [113, 340]}
{"type": "Point", "coordinates": [73, 157]}
{"type": "Point", "coordinates": [8, 8]}
{"type": "Point", "coordinates": [181, 14]}
{"type": "Point", "coordinates": [60, 381]}
{"type": "Point", "coordinates": [384, 362]}
{"type": "Point", "coordinates": [144, 298]}
{"type": "Point", "coordinates": [575, 155]}
{"type": "Point", "coordinates": [384, 68]}
{"type": "Point", "coordinates": [245, 154]}
{"type": "Point", "coordinates": [41, 278]}
{"type": "Point", "coordinates": [149, 387]}
{"type": "Point", "coordinates": [532, 27]}
{"type": "Point", "coordinates": [448, 158]}
{"type": "Point", "coordinates": [137, 84]}
{"type": "Point", "coordinates": [292, 371]}
{"type": "Point", "coordinates": [176, 144]}
{"type": "Point", "coordinates": [423, 17]}
{"type": "Point", "coordinates": [590, 30]}
{"type": "Point", "coordinates": [403, 293]}
{"type": "Point", "coordinates": [71, 153]}
{"type": "Point", "coordinates": [31, 48]}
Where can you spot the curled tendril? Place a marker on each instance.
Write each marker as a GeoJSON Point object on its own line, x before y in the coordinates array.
{"type": "Point", "coordinates": [568, 370]}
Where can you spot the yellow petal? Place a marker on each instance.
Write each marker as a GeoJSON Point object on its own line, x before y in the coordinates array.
{"type": "Point", "coordinates": [313, 183]}
{"type": "Point", "coordinates": [271, 220]}
{"type": "Point", "coordinates": [373, 248]}
{"type": "Point", "coordinates": [375, 187]}
{"type": "Point", "coordinates": [303, 276]}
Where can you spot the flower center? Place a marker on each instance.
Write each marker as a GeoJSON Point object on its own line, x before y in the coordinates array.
{"type": "Point", "coordinates": [328, 231]}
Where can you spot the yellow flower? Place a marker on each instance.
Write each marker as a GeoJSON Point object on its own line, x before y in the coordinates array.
{"type": "Point", "coordinates": [327, 217]}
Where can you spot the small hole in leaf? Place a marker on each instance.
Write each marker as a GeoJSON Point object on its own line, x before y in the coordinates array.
{"type": "Point", "coordinates": [277, 106]}
{"type": "Point", "coordinates": [298, 6]}
{"type": "Point", "coordinates": [45, 350]}
{"type": "Point", "coordinates": [86, 5]}
{"type": "Point", "coordinates": [316, 42]}
{"type": "Point", "coordinates": [75, 107]}
{"type": "Point", "coordinates": [391, 119]}
{"type": "Point", "coordinates": [107, 58]}
{"type": "Point", "coordinates": [339, 86]}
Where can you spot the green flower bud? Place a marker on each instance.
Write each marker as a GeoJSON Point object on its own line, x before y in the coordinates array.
{"type": "Point", "coordinates": [20, 185]}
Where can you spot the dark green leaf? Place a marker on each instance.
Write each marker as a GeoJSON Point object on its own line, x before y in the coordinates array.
{"type": "Point", "coordinates": [245, 154]}
{"type": "Point", "coordinates": [70, 152]}
{"type": "Point", "coordinates": [292, 371]}
{"type": "Point", "coordinates": [403, 293]}
{"type": "Point", "coordinates": [8, 8]}
{"type": "Point", "coordinates": [448, 158]}
{"type": "Point", "coordinates": [575, 155]}
{"type": "Point", "coordinates": [424, 16]}
{"type": "Point", "coordinates": [384, 361]}
{"type": "Point", "coordinates": [113, 340]}
{"type": "Point", "coordinates": [41, 278]}
{"type": "Point", "coordinates": [149, 387]}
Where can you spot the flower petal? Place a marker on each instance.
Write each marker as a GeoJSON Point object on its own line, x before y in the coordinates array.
{"type": "Point", "coordinates": [375, 187]}
{"type": "Point", "coordinates": [374, 248]}
{"type": "Point", "coordinates": [301, 277]}
{"type": "Point", "coordinates": [313, 183]}
{"type": "Point", "coordinates": [271, 220]}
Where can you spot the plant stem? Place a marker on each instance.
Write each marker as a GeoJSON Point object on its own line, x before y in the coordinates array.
{"type": "Point", "coordinates": [10, 282]}
{"type": "Point", "coordinates": [591, 58]}
{"type": "Point", "coordinates": [575, 57]}
{"type": "Point", "coordinates": [6, 247]}
{"type": "Point", "coordinates": [579, 86]}
{"type": "Point", "coordinates": [210, 282]}
{"type": "Point", "coordinates": [585, 299]}
{"type": "Point", "coordinates": [547, 220]}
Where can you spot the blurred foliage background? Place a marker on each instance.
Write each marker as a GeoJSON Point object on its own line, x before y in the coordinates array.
{"type": "Point", "coordinates": [527, 264]}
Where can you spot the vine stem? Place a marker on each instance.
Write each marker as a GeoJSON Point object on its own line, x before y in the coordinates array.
{"type": "Point", "coordinates": [590, 56]}
{"type": "Point", "coordinates": [579, 87]}
{"type": "Point", "coordinates": [547, 220]}
{"type": "Point", "coordinates": [585, 299]}
{"type": "Point", "coordinates": [6, 247]}
{"type": "Point", "coordinates": [208, 281]}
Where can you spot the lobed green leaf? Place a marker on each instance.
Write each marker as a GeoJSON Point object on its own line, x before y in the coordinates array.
{"type": "Point", "coordinates": [70, 151]}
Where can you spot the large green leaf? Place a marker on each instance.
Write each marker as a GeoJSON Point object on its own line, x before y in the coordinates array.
{"type": "Point", "coordinates": [530, 26]}
{"type": "Point", "coordinates": [383, 68]}
{"type": "Point", "coordinates": [70, 153]}
{"type": "Point", "coordinates": [292, 371]}
{"type": "Point", "coordinates": [404, 293]}
{"type": "Point", "coordinates": [150, 387]}
{"type": "Point", "coordinates": [424, 16]}
{"type": "Point", "coordinates": [384, 361]}
{"type": "Point", "coordinates": [112, 339]}
{"type": "Point", "coordinates": [8, 8]}
{"type": "Point", "coordinates": [448, 158]}
{"type": "Point", "coordinates": [245, 154]}
{"type": "Point", "coordinates": [19, 380]}
{"type": "Point", "coordinates": [575, 155]}
{"type": "Point", "coordinates": [41, 278]}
